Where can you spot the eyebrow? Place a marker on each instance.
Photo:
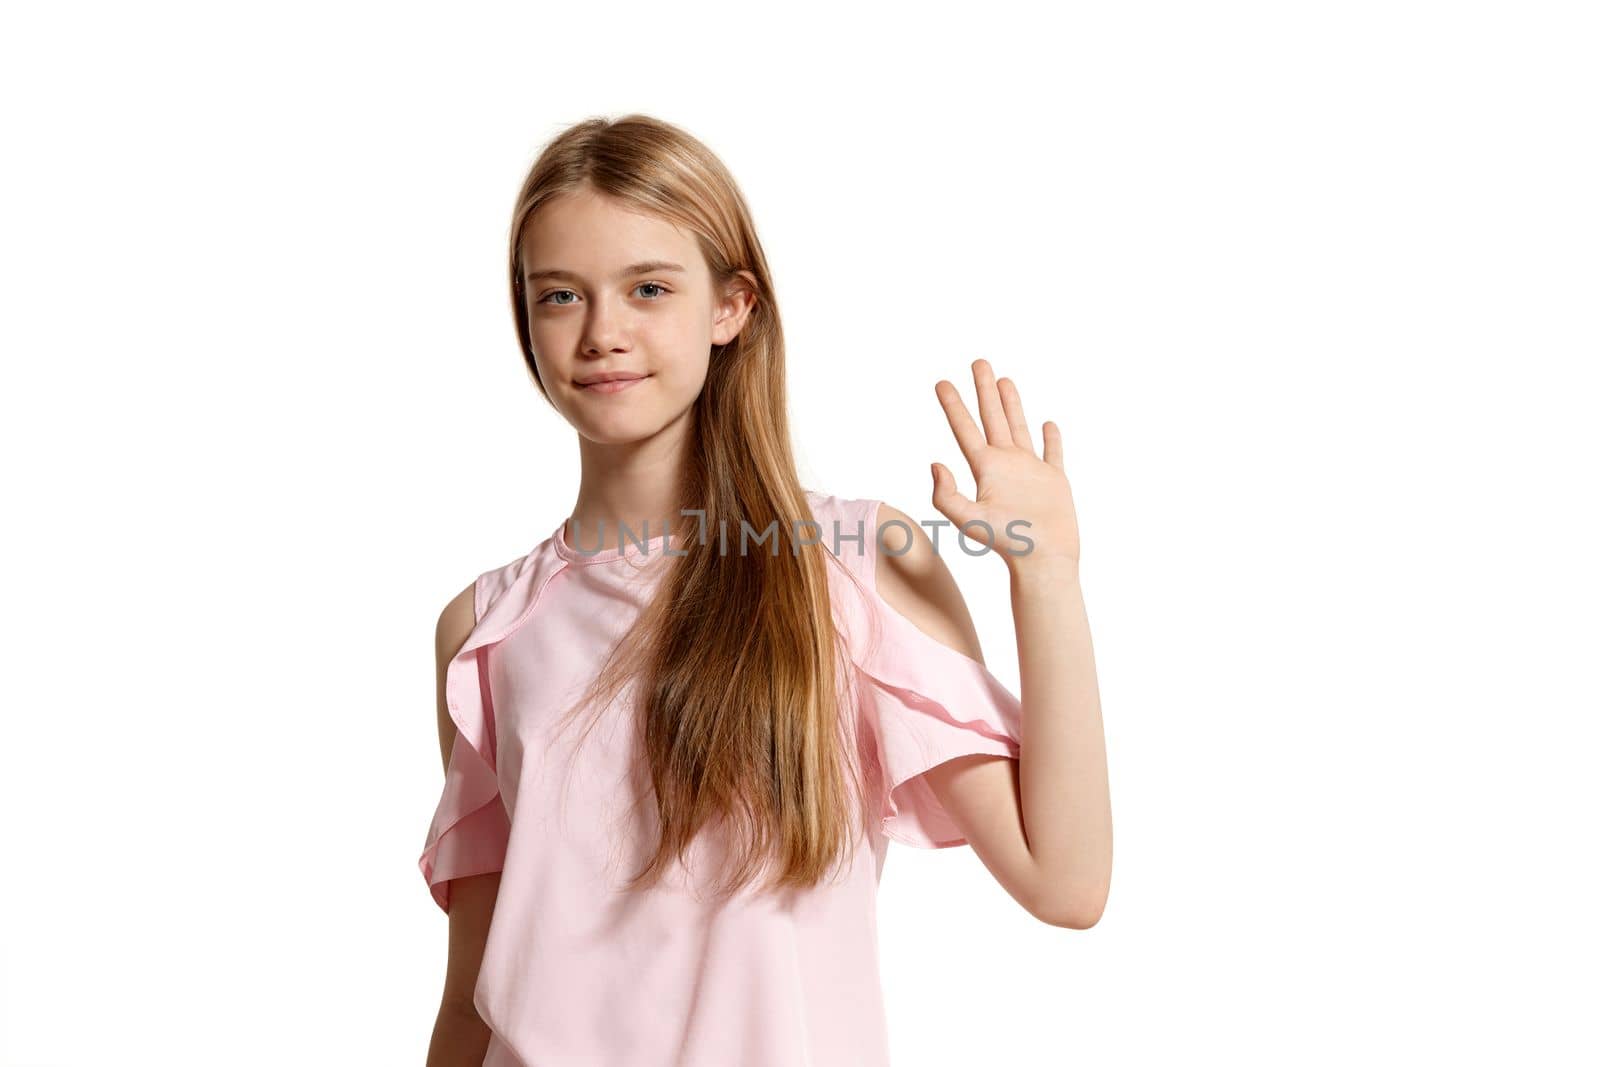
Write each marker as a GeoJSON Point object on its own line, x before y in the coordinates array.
{"type": "Point", "coordinates": [649, 266]}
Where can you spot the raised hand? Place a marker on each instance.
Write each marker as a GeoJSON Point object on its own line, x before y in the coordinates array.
{"type": "Point", "coordinates": [1012, 481]}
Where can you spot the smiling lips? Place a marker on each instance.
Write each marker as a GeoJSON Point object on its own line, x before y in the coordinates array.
{"type": "Point", "coordinates": [611, 383]}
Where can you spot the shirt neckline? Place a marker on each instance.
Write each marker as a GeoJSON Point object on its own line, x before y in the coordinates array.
{"type": "Point", "coordinates": [652, 547]}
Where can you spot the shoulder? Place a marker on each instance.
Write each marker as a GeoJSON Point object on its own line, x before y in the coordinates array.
{"type": "Point", "coordinates": [456, 621]}
{"type": "Point", "coordinates": [460, 617]}
{"type": "Point", "coordinates": [905, 552]}
{"type": "Point", "coordinates": [455, 625]}
{"type": "Point", "coordinates": [911, 577]}
{"type": "Point", "coordinates": [461, 614]}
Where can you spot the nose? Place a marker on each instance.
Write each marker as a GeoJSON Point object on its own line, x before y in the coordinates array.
{"type": "Point", "coordinates": [603, 330]}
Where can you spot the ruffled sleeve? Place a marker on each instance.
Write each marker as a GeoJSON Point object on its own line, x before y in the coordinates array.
{"type": "Point", "coordinates": [470, 828]}
{"type": "Point", "coordinates": [923, 703]}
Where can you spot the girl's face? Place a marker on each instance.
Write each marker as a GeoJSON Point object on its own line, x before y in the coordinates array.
{"type": "Point", "coordinates": [614, 291]}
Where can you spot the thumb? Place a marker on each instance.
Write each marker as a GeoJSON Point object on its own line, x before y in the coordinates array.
{"type": "Point", "coordinates": [945, 497]}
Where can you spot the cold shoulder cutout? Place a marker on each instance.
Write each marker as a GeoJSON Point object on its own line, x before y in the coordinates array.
{"type": "Point", "coordinates": [928, 703]}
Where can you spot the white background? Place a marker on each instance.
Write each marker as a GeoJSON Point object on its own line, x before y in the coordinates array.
{"type": "Point", "coordinates": [1311, 290]}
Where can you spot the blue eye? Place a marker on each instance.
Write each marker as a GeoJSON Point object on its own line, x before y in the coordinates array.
{"type": "Point", "coordinates": [567, 303]}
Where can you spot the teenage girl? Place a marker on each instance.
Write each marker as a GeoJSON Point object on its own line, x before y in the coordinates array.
{"type": "Point", "coordinates": [679, 732]}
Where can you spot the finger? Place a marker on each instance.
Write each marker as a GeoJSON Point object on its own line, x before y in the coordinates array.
{"type": "Point", "coordinates": [1052, 446]}
{"type": "Point", "coordinates": [955, 507]}
{"type": "Point", "coordinates": [958, 509]}
{"type": "Point", "coordinates": [969, 437]}
{"type": "Point", "coordinates": [1012, 400]}
{"type": "Point", "coordinates": [990, 409]}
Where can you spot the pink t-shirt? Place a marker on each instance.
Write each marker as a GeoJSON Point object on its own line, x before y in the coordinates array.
{"type": "Point", "coordinates": [577, 973]}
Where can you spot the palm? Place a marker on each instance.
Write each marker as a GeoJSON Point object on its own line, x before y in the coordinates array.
{"type": "Point", "coordinates": [1013, 482]}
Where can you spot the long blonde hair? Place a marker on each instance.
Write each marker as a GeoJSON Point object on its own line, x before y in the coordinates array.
{"type": "Point", "coordinates": [737, 660]}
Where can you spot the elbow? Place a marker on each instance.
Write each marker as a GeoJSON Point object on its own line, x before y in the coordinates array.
{"type": "Point", "coordinates": [1070, 918]}
{"type": "Point", "coordinates": [1070, 911]}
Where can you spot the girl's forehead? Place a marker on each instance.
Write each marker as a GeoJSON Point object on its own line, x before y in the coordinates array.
{"type": "Point", "coordinates": [587, 234]}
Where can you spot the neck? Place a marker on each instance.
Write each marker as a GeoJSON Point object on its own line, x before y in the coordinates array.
{"type": "Point", "coordinates": [629, 484]}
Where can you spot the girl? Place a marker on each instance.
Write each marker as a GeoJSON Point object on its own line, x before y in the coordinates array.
{"type": "Point", "coordinates": [673, 761]}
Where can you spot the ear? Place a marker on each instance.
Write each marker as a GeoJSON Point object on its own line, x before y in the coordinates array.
{"type": "Point", "coordinates": [738, 300]}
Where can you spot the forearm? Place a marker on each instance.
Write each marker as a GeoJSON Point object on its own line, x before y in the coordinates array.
{"type": "Point", "coordinates": [1065, 794]}
{"type": "Point", "coordinates": [460, 1038]}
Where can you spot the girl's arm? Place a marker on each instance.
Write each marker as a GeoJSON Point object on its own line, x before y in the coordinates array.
{"type": "Point", "coordinates": [1041, 823]}
{"type": "Point", "coordinates": [460, 1037]}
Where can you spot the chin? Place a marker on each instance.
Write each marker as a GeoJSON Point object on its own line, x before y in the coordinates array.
{"type": "Point", "coordinates": [619, 431]}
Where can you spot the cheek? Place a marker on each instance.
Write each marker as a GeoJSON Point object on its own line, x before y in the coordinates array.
{"type": "Point", "coordinates": [681, 380]}
{"type": "Point", "coordinates": [678, 349]}
{"type": "Point", "coordinates": [684, 331]}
